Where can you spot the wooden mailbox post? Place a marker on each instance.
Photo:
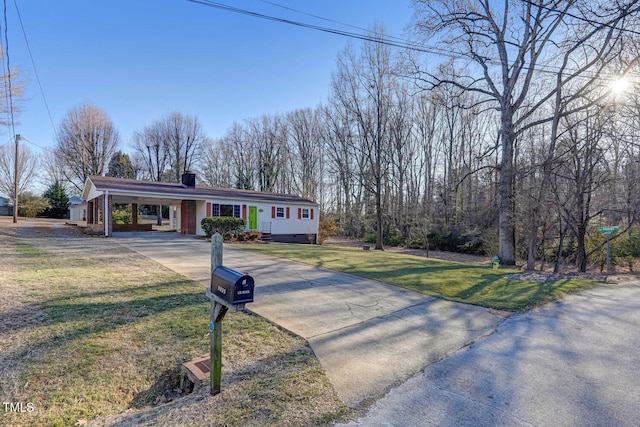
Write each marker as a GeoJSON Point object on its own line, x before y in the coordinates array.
{"type": "Point", "coordinates": [229, 290]}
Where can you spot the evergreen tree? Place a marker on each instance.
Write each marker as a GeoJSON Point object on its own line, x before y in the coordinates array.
{"type": "Point", "coordinates": [120, 166]}
{"type": "Point", "coordinates": [58, 200]}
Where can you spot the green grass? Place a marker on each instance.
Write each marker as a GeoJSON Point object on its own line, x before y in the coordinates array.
{"type": "Point", "coordinates": [90, 329]}
{"type": "Point", "coordinates": [467, 283]}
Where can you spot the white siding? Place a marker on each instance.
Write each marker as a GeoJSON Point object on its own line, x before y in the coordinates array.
{"type": "Point", "coordinates": [291, 225]}
{"type": "Point", "coordinates": [78, 212]}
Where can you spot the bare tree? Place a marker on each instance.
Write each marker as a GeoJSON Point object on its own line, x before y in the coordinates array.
{"type": "Point", "coordinates": [504, 41]}
{"type": "Point", "coordinates": [579, 173]}
{"type": "Point", "coordinates": [595, 47]}
{"type": "Point", "coordinates": [168, 147]}
{"type": "Point", "coordinates": [53, 170]}
{"type": "Point", "coordinates": [426, 118]}
{"type": "Point", "coordinates": [305, 134]}
{"type": "Point", "coordinates": [363, 87]}
{"type": "Point", "coordinates": [243, 157]}
{"type": "Point", "coordinates": [28, 166]}
{"type": "Point", "coordinates": [267, 135]}
{"type": "Point", "coordinates": [151, 150]}
{"type": "Point", "coordinates": [500, 48]}
{"type": "Point", "coordinates": [86, 141]}
{"type": "Point", "coordinates": [149, 145]}
{"type": "Point", "coordinates": [627, 133]}
{"type": "Point", "coordinates": [11, 92]}
{"type": "Point", "coordinates": [344, 162]}
{"type": "Point", "coordinates": [215, 168]}
{"type": "Point", "coordinates": [183, 135]}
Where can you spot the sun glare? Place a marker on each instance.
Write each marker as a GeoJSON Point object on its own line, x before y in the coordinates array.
{"type": "Point", "coordinates": [620, 85]}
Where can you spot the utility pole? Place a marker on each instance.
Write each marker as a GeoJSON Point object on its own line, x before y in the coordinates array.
{"type": "Point", "coordinates": [15, 179]}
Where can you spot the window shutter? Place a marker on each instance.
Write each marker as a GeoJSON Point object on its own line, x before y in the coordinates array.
{"type": "Point", "coordinates": [299, 213]}
{"type": "Point", "coordinates": [273, 211]}
{"type": "Point", "coordinates": [208, 209]}
{"type": "Point", "coordinates": [287, 212]}
{"type": "Point", "coordinates": [244, 212]}
{"type": "Point", "coordinates": [311, 213]}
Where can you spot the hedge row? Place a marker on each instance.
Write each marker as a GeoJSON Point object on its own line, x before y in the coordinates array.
{"type": "Point", "coordinates": [222, 224]}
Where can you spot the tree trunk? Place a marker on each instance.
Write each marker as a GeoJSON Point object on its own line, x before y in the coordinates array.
{"type": "Point", "coordinates": [533, 244]}
{"type": "Point", "coordinates": [379, 221]}
{"type": "Point", "coordinates": [506, 213]}
{"type": "Point", "coordinates": [556, 266]}
{"type": "Point", "coordinates": [581, 250]}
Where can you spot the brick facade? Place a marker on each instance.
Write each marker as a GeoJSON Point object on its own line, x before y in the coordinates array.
{"type": "Point", "coordinates": [134, 213]}
{"type": "Point", "coordinates": [90, 212]}
{"type": "Point", "coordinates": [96, 215]}
{"type": "Point", "coordinates": [188, 217]}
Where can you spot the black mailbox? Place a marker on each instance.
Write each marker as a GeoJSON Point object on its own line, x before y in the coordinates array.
{"type": "Point", "coordinates": [232, 286]}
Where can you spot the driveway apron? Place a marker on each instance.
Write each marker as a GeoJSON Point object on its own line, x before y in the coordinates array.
{"type": "Point", "coordinates": [573, 362]}
{"type": "Point", "coordinates": [367, 335]}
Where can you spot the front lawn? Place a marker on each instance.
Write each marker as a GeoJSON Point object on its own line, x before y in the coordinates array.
{"type": "Point", "coordinates": [472, 284]}
{"type": "Point", "coordinates": [89, 329]}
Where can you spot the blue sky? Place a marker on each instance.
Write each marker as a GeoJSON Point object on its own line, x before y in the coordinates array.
{"type": "Point", "coordinates": [139, 60]}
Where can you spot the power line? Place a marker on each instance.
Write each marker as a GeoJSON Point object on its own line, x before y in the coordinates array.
{"type": "Point", "coordinates": [390, 40]}
{"type": "Point", "coordinates": [10, 99]}
{"type": "Point", "coordinates": [377, 37]}
{"type": "Point", "coordinates": [330, 20]}
{"type": "Point", "coordinates": [36, 145]}
{"type": "Point", "coordinates": [35, 69]}
{"type": "Point", "coordinates": [9, 88]}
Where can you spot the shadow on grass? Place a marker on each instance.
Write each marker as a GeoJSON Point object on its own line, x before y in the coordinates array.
{"type": "Point", "coordinates": [67, 308]}
{"type": "Point", "coordinates": [437, 271]}
{"type": "Point", "coordinates": [164, 386]}
{"type": "Point", "coordinates": [500, 292]}
{"type": "Point", "coordinates": [76, 320]}
{"type": "Point", "coordinates": [276, 389]}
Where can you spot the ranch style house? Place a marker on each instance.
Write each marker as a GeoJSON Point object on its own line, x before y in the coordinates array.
{"type": "Point", "coordinates": [285, 218]}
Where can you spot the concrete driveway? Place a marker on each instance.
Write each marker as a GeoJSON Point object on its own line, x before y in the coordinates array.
{"type": "Point", "coordinates": [574, 362]}
{"type": "Point", "coordinates": [368, 336]}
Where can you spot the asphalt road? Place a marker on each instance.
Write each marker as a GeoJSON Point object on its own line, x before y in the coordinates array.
{"type": "Point", "coordinates": [574, 362]}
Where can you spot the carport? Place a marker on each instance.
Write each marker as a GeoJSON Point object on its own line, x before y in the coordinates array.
{"type": "Point", "coordinates": [103, 193]}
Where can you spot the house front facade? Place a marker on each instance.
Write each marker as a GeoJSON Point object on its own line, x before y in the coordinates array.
{"type": "Point", "coordinates": [282, 220]}
{"type": "Point", "coordinates": [282, 217]}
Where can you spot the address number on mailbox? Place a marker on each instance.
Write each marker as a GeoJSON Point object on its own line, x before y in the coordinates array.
{"type": "Point", "coordinates": [232, 286]}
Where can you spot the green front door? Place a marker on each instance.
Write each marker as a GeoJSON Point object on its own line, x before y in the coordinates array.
{"type": "Point", "coordinates": [253, 218]}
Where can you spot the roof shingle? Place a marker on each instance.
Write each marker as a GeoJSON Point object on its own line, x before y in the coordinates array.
{"type": "Point", "coordinates": [103, 183]}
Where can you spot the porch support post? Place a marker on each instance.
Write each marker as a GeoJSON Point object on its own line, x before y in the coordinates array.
{"type": "Point", "coordinates": [107, 214]}
{"type": "Point", "coordinates": [134, 214]}
{"type": "Point", "coordinates": [89, 213]}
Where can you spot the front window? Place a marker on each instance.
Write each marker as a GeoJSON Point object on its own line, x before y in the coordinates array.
{"type": "Point", "coordinates": [279, 212]}
{"type": "Point", "coordinates": [305, 213]}
{"type": "Point", "coordinates": [225, 210]}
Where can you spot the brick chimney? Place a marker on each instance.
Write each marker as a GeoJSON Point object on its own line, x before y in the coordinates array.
{"type": "Point", "coordinates": [189, 179]}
